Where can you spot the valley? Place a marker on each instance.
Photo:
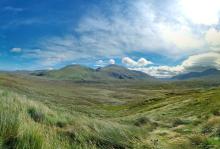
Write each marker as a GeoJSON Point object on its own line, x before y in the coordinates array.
{"type": "Point", "coordinates": [47, 112]}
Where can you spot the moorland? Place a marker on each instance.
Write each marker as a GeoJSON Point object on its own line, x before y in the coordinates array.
{"type": "Point", "coordinates": [108, 108]}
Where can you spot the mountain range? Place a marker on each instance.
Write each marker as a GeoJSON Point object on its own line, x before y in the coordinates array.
{"type": "Point", "coordinates": [116, 72]}
{"type": "Point", "coordinates": [79, 72]}
{"type": "Point", "coordinates": [206, 74]}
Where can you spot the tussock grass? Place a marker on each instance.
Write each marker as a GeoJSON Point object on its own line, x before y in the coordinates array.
{"type": "Point", "coordinates": [178, 121]}
{"type": "Point", "coordinates": [200, 141]}
{"type": "Point", "coordinates": [37, 116]}
{"type": "Point", "coordinates": [66, 115]}
{"type": "Point", "coordinates": [26, 124]}
{"type": "Point", "coordinates": [19, 129]}
{"type": "Point", "coordinates": [32, 137]}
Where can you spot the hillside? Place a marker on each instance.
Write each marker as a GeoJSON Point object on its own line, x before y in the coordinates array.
{"type": "Point", "coordinates": [40, 113]}
{"type": "Point", "coordinates": [119, 72]}
{"type": "Point", "coordinates": [207, 74]}
{"type": "Point", "coordinates": [80, 73]}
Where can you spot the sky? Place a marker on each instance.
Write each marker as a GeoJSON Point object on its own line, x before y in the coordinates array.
{"type": "Point", "coordinates": [162, 38]}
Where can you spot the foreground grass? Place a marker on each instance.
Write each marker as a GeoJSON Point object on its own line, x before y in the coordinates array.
{"type": "Point", "coordinates": [26, 124]}
{"type": "Point", "coordinates": [66, 115]}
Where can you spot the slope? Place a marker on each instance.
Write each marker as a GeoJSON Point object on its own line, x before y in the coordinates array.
{"type": "Point", "coordinates": [80, 73]}
{"type": "Point", "coordinates": [209, 73]}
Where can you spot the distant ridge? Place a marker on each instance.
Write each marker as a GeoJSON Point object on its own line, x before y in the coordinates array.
{"type": "Point", "coordinates": [207, 74]}
{"type": "Point", "coordinates": [79, 72]}
{"type": "Point", "coordinates": [121, 72]}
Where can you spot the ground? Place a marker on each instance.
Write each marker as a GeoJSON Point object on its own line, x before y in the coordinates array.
{"type": "Point", "coordinates": [44, 113]}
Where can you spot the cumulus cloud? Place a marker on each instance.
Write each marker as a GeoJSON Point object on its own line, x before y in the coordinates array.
{"type": "Point", "coordinates": [102, 63]}
{"type": "Point", "coordinates": [16, 50]}
{"type": "Point", "coordinates": [132, 63]}
{"type": "Point", "coordinates": [128, 61]}
{"type": "Point", "coordinates": [111, 61]}
{"type": "Point", "coordinates": [143, 62]}
{"type": "Point", "coordinates": [195, 63]}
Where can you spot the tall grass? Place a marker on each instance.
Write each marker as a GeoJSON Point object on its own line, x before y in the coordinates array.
{"type": "Point", "coordinates": [136, 123]}
{"type": "Point", "coordinates": [18, 129]}
{"type": "Point", "coordinates": [25, 124]}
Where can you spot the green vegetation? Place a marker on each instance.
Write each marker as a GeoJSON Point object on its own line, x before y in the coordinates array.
{"type": "Point", "coordinates": [41, 113]}
{"type": "Point", "coordinates": [82, 73]}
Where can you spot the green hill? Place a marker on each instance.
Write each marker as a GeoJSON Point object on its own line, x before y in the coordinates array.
{"type": "Point", "coordinates": [80, 73]}
{"type": "Point", "coordinates": [119, 72]}
{"type": "Point", "coordinates": [73, 72]}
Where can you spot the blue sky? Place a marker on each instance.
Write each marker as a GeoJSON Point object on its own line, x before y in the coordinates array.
{"type": "Point", "coordinates": [160, 37]}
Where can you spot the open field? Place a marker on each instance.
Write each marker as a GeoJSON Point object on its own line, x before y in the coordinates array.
{"type": "Point", "coordinates": [42, 113]}
{"type": "Point", "coordinates": [110, 74]}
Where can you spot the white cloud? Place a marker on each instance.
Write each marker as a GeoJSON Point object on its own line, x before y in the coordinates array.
{"type": "Point", "coordinates": [161, 71]}
{"type": "Point", "coordinates": [201, 62]}
{"type": "Point", "coordinates": [131, 63]}
{"type": "Point", "coordinates": [16, 50]}
{"type": "Point", "coordinates": [100, 63]}
{"type": "Point", "coordinates": [213, 37]}
{"type": "Point", "coordinates": [195, 63]}
{"type": "Point", "coordinates": [181, 38]}
{"type": "Point", "coordinates": [204, 12]}
{"type": "Point", "coordinates": [144, 26]}
{"type": "Point", "coordinates": [128, 61]}
{"type": "Point", "coordinates": [167, 28]}
{"type": "Point", "coordinates": [111, 61]}
{"type": "Point", "coordinates": [143, 62]}
{"type": "Point", "coordinates": [136, 30]}
{"type": "Point", "coordinates": [50, 68]}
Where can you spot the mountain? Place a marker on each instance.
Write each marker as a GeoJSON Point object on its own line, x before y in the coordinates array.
{"type": "Point", "coordinates": [207, 74]}
{"type": "Point", "coordinates": [79, 72]}
{"type": "Point", "coordinates": [120, 72]}
{"type": "Point", "coordinates": [72, 72]}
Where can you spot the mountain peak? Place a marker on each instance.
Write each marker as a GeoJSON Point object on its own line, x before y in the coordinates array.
{"type": "Point", "coordinates": [194, 75]}
{"type": "Point", "coordinates": [211, 70]}
{"type": "Point", "coordinates": [110, 72]}
{"type": "Point", "coordinates": [74, 66]}
{"type": "Point", "coordinates": [112, 66]}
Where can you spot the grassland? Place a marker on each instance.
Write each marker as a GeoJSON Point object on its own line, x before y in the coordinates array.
{"type": "Point", "coordinates": [42, 113]}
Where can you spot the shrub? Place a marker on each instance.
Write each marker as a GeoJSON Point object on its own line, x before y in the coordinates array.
{"type": "Point", "coordinates": [142, 121]}
{"type": "Point", "coordinates": [177, 122]}
{"type": "Point", "coordinates": [61, 124]}
{"type": "Point", "coordinates": [207, 129]}
{"type": "Point", "coordinates": [217, 132]}
{"type": "Point", "coordinates": [216, 112]}
{"type": "Point", "coordinates": [200, 141]}
{"type": "Point", "coordinates": [37, 116]}
{"type": "Point", "coordinates": [10, 143]}
{"type": "Point", "coordinates": [211, 125]}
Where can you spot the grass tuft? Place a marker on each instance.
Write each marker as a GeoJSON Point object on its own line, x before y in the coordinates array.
{"type": "Point", "coordinates": [31, 139]}
{"type": "Point", "coordinates": [36, 115]}
{"type": "Point", "coordinates": [142, 121]}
